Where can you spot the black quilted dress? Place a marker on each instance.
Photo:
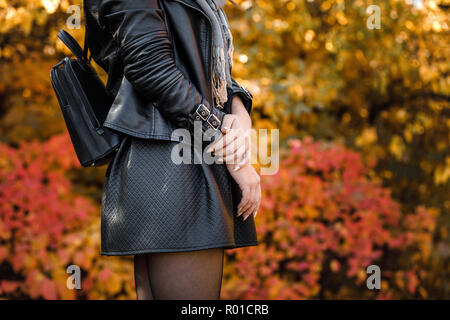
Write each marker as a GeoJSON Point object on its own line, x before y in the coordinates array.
{"type": "Point", "coordinates": [151, 204]}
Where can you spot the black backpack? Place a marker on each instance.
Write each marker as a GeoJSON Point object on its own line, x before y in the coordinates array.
{"type": "Point", "coordinates": [84, 103]}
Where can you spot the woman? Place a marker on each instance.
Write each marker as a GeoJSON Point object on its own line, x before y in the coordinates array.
{"type": "Point", "coordinates": [169, 65]}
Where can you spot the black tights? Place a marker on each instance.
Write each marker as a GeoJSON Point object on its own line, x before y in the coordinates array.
{"type": "Point", "coordinates": [188, 275]}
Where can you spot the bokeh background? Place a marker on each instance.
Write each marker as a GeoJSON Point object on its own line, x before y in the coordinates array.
{"type": "Point", "coordinates": [364, 169]}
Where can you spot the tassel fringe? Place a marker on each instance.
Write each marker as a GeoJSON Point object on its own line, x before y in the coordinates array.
{"type": "Point", "coordinates": [219, 79]}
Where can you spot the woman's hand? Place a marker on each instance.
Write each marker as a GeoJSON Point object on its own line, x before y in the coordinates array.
{"type": "Point", "coordinates": [233, 147]}
{"type": "Point", "coordinates": [249, 183]}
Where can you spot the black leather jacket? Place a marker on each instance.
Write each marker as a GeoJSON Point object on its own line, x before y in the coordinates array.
{"type": "Point", "coordinates": [158, 57]}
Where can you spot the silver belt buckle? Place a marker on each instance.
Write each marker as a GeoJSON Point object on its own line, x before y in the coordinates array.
{"type": "Point", "coordinates": [202, 112]}
{"type": "Point", "coordinates": [214, 123]}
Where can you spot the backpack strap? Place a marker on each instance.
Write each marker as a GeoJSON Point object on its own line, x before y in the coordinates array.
{"type": "Point", "coordinates": [72, 44]}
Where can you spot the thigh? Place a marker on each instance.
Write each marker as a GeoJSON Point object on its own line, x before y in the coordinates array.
{"type": "Point", "coordinates": [141, 280]}
{"type": "Point", "coordinates": [186, 275]}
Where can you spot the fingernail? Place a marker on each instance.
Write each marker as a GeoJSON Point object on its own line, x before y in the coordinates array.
{"type": "Point", "coordinates": [236, 168]}
{"type": "Point", "coordinates": [246, 217]}
{"type": "Point", "coordinates": [209, 150]}
{"type": "Point", "coordinates": [256, 212]}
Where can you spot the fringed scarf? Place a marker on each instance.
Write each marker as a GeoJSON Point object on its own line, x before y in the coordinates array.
{"type": "Point", "coordinates": [222, 49]}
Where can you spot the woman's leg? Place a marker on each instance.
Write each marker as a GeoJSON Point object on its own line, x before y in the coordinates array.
{"type": "Point", "coordinates": [185, 275]}
{"type": "Point", "coordinates": [142, 283]}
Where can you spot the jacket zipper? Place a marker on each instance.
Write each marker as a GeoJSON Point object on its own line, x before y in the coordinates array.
{"type": "Point", "coordinates": [210, 43]}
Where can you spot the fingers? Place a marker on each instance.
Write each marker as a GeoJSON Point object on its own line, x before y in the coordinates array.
{"type": "Point", "coordinates": [259, 201]}
{"type": "Point", "coordinates": [230, 142]}
{"type": "Point", "coordinates": [244, 201]}
{"type": "Point", "coordinates": [226, 140]}
{"type": "Point", "coordinates": [250, 201]}
{"type": "Point", "coordinates": [236, 147]}
{"type": "Point", "coordinates": [233, 152]}
{"type": "Point", "coordinates": [227, 123]}
{"type": "Point", "coordinates": [222, 142]}
{"type": "Point", "coordinates": [230, 147]}
{"type": "Point", "coordinates": [216, 145]}
{"type": "Point", "coordinates": [251, 205]}
{"type": "Point", "coordinates": [239, 158]}
{"type": "Point", "coordinates": [243, 154]}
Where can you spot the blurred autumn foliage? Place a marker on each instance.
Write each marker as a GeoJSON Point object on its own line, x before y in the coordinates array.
{"type": "Point", "coordinates": [370, 187]}
{"type": "Point", "coordinates": [322, 222]}
{"type": "Point", "coordinates": [45, 227]}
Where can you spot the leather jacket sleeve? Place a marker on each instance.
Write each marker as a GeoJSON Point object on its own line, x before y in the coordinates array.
{"type": "Point", "coordinates": [244, 94]}
{"type": "Point", "coordinates": [139, 30]}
